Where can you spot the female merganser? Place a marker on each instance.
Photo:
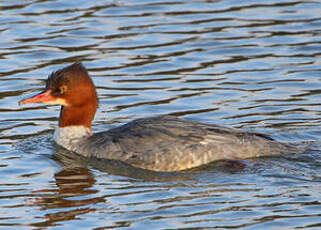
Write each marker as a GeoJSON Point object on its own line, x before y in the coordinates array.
{"type": "Point", "coordinates": [162, 143]}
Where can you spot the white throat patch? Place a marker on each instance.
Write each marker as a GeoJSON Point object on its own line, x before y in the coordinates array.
{"type": "Point", "coordinates": [69, 136]}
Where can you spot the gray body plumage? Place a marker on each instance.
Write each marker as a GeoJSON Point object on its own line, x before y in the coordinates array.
{"type": "Point", "coordinates": [167, 143]}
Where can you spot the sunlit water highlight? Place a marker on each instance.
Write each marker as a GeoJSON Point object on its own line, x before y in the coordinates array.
{"type": "Point", "coordinates": [253, 65]}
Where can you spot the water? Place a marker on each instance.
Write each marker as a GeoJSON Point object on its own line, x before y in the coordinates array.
{"type": "Point", "coordinates": [253, 65]}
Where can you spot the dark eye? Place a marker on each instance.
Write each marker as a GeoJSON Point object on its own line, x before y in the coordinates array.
{"type": "Point", "coordinates": [57, 91]}
{"type": "Point", "coordinates": [60, 90]}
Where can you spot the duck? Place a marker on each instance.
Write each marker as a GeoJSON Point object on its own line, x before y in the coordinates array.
{"type": "Point", "coordinates": [163, 143]}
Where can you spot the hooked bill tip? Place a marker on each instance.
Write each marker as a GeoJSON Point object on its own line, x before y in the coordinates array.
{"type": "Point", "coordinates": [22, 102]}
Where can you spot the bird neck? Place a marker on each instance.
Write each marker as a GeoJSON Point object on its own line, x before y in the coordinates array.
{"type": "Point", "coordinates": [81, 115]}
{"type": "Point", "coordinates": [69, 137]}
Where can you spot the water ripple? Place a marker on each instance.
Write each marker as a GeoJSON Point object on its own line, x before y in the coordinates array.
{"type": "Point", "coordinates": [246, 64]}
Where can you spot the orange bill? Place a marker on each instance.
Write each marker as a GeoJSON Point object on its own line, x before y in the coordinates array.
{"type": "Point", "coordinates": [42, 97]}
